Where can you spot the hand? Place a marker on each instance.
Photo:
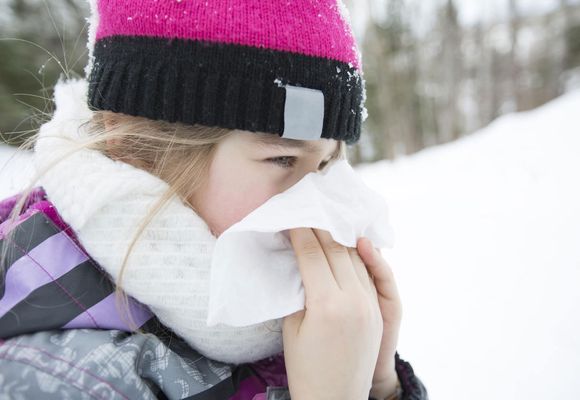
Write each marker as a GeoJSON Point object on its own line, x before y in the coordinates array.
{"type": "Point", "coordinates": [331, 347]}
{"type": "Point", "coordinates": [385, 375]}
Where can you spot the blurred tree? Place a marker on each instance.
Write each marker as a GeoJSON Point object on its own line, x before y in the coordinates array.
{"type": "Point", "coordinates": [392, 74]}
{"type": "Point", "coordinates": [573, 46]}
{"type": "Point", "coordinates": [40, 41]}
{"type": "Point", "coordinates": [450, 72]}
{"type": "Point", "coordinates": [514, 81]}
{"type": "Point", "coordinates": [571, 36]}
{"type": "Point", "coordinates": [429, 89]}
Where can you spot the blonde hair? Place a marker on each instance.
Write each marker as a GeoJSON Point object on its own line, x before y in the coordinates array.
{"type": "Point", "coordinates": [180, 154]}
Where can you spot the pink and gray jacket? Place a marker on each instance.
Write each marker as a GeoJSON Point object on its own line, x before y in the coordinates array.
{"type": "Point", "coordinates": [61, 335]}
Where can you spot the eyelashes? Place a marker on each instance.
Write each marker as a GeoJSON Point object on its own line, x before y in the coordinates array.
{"type": "Point", "coordinates": [284, 161]}
{"type": "Point", "coordinates": [290, 161]}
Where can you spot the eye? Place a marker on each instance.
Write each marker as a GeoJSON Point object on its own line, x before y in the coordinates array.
{"type": "Point", "coordinates": [284, 161]}
{"type": "Point", "coordinates": [290, 161]}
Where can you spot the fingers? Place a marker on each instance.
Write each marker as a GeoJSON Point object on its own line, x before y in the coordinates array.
{"type": "Point", "coordinates": [383, 275]}
{"type": "Point", "coordinates": [360, 269]}
{"type": "Point", "coordinates": [326, 265]}
{"type": "Point", "coordinates": [338, 258]}
{"type": "Point", "coordinates": [317, 277]}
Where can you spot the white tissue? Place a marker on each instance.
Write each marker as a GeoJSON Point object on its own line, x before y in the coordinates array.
{"type": "Point", "coordinates": [254, 274]}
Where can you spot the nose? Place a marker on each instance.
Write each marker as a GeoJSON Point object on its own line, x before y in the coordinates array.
{"type": "Point", "coordinates": [305, 170]}
{"type": "Point", "coordinates": [311, 167]}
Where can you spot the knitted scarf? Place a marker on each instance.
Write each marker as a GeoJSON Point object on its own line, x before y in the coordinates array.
{"type": "Point", "coordinates": [105, 200]}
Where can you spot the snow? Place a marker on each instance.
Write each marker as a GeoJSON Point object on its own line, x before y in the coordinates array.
{"type": "Point", "coordinates": [487, 255]}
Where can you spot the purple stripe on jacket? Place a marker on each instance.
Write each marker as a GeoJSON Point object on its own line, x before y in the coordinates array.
{"type": "Point", "coordinates": [101, 315]}
{"type": "Point", "coordinates": [39, 267]}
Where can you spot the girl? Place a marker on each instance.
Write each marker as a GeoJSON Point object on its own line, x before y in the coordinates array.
{"type": "Point", "coordinates": [193, 114]}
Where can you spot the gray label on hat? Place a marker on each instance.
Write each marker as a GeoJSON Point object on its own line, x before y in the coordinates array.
{"type": "Point", "coordinates": [303, 113]}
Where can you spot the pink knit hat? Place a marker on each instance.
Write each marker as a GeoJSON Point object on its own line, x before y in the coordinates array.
{"type": "Point", "coordinates": [288, 67]}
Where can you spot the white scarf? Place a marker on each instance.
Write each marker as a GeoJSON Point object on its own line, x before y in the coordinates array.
{"type": "Point", "coordinates": [104, 201]}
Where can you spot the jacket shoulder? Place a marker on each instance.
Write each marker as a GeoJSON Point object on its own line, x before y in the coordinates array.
{"type": "Point", "coordinates": [44, 268]}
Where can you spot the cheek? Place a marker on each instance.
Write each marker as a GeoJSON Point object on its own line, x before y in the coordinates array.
{"type": "Point", "coordinates": [230, 196]}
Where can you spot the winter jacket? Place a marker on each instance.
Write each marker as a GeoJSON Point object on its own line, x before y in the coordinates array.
{"type": "Point", "coordinates": [62, 337]}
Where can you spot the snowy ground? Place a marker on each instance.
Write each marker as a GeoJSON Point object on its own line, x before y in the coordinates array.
{"type": "Point", "coordinates": [487, 256]}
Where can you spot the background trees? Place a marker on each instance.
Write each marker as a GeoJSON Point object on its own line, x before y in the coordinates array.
{"type": "Point", "coordinates": [431, 76]}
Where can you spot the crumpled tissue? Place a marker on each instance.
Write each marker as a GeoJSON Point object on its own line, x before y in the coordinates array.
{"type": "Point", "coordinates": [254, 273]}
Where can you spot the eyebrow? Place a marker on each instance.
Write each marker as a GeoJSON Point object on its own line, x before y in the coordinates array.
{"type": "Point", "coordinates": [277, 141]}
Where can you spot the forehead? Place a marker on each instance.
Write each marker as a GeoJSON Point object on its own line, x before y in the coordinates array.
{"type": "Point", "coordinates": [309, 146]}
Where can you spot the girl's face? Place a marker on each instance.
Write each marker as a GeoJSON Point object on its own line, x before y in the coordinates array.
{"type": "Point", "coordinates": [248, 168]}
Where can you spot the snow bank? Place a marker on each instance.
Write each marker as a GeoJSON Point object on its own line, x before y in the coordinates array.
{"type": "Point", "coordinates": [487, 257]}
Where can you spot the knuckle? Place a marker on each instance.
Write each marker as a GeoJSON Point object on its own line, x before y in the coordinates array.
{"type": "Point", "coordinates": [363, 318]}
{"type": "Point", "coordinates": [334, 247]}
{"type": "Point", "coordinates": [311, 249]}
{"type": "Point", "coordinates": [360, 312]}
{"type": "Point", "coordinates": [349, 312]}
{"type": "Point", "coordinates": [333, 309]}
{"type": "Point", "coordinates": [330, 314]}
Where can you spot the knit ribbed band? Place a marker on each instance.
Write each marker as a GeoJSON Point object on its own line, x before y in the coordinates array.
{"type": "Point", "coordinates": [231, 73]}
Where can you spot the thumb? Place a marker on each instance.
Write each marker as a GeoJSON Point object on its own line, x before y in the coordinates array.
{"type": "Point", "coordinates": [382, 273]}
{"type": "Point", "coordinates": [367, 252]}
